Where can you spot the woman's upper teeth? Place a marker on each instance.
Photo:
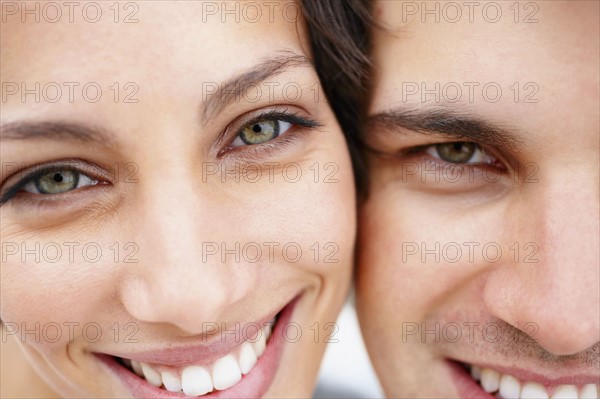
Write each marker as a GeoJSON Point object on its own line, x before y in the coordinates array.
{"type": "Point", "coordinates": [197, 380]}
{"type": "Point", "coordinates": [509, 387]}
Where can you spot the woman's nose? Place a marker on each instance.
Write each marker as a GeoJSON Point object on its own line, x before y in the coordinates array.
{"type": "Point", "coordinates": [188, 273]}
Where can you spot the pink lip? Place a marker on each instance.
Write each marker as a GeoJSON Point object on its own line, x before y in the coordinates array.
{"type": "Point", "coordinates": [526, 375]}
{"type": "Point", "coordinates": [202, 352]}
{"type": "Point", "coordinates": [253, 385]}
{"type": "Point", "coordinates": [466, 386]}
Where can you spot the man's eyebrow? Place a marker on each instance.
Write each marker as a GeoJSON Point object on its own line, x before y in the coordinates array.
{"type": "Point", "coordinates": [55, 130]}
{"type": "Point", "coordinates": [446, 122]}
{"type": "Point", "coordinates": [231, 90]}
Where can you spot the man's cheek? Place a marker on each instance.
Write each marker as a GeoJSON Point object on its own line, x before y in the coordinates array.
{"type": "Point", "coordinates": [446, 236]}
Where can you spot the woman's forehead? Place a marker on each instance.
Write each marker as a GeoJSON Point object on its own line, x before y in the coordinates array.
{"type": "Point", "coordinates": [159, 38]}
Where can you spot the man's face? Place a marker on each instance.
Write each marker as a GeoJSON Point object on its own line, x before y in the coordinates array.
{"type": "Point", "coordinates": [479, 261]}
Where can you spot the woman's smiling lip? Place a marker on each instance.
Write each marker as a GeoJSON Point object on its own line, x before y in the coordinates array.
{"type": "Point", "coordinates": [254, 384]}
{"type": "Point", "coordinates": [206, 351]}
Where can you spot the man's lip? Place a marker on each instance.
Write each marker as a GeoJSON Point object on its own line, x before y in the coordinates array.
{"type": "Point", "coordinates": [467, 387]}
{"type": "Point", "coordinates": [200, 353]}
{"type": "Point", "coordinates": [547, 379]}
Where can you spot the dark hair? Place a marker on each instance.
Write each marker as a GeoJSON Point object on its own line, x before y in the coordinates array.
{"type": "Point", "coordinates": [339, 34]}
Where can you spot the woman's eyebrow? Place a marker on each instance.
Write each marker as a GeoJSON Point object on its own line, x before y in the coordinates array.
{"type": "Point", "coordinates": [59, 130]}
{"type": "Point", "coordinates": [446, 122]}
{"type": "Point", "coordinates": [231, 90]}
{"type": "Point", "coordinates": [227, 93]}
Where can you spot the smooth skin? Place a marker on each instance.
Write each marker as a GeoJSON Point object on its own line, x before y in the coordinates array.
{"type": "Point", "coordinates": [170, 202]}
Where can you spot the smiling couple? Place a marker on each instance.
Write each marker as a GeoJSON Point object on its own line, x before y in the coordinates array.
{"type": "Point", "coordinates": [445, 164]}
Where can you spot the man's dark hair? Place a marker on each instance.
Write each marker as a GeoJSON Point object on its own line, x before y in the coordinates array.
{"type": "Point", "coordinates": [339, 33]}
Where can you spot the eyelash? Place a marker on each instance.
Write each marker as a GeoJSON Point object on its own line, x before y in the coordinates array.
{"type": "Point", "coordinates": [41, 170]}
{"type": "Point", "coordinates": [267, 148]}
{"type": "Point", "coordinates": [421, 151]}
{"type": "Point", "coordinates": [278, 143]}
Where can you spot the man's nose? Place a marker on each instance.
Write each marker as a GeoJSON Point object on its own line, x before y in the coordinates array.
{"type": "Point", "coordinates": [182, 278]}
{"type": "Point", "coordinates": [555, 283]}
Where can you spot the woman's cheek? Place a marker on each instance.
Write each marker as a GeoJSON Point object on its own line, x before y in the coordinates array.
{"type": "Point", "coordinates": [306, 207]}
{"type": "Point", "coordinates": [54, 286]}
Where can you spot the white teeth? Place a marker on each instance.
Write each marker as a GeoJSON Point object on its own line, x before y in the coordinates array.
{"type": "Point", "coordinates": [533, 390]}
{"type": "Point", "coordinates": [247, 358]}
{"type": "Point", "coordinates": [226, 372]}
{"type": "Point", "coordinates": [490, 380]}
{"type": "Point", "coordinates": [268, 329]}
{"type": "Point", "coordinates": [260, 345]}
{"type": "Point", "coordinates": [565, 392]}
{"type": "Point", "coordinates": [506, 386]}
{"type": "Point", "coordinates": [198, 380]}
{"type": "Point", "coordinates": [195, 380]}
{"type": "Point", "coordinates": [171, 381]}
{"type": "Point", "coordinates": [476, 373]}
{"type": "Point", "coordinates": [137, 368]}
{"type": "Point", "coordinates": [509, 387]}
{"type": "Point", "coordinates": [152, 376]}
{"type": "Point", "coordinates": [589, 391]}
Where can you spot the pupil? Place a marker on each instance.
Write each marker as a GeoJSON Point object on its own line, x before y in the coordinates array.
{"type": "Point", "coordinates": [58, 178]}
{"type": "Point", "coordinates": [256, 128]}
{"type": "Point", "coordinates": [458, 146]}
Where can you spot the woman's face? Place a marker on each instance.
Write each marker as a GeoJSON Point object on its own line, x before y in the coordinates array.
{"type": "Point", "coordinates": [169, 186]}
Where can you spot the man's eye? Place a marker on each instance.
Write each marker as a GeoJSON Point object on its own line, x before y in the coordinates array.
{"type": "Point", "coordinates": [459, 152]}
{"type": "Point", "coordinates": [58, 181]}
{"type": "Point", "coordinates": [260, 132]}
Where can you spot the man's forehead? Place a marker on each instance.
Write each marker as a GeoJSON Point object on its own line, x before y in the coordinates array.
{"type": "Point", "coordinates": [514, 74]}
{"type": "Point", "coordinates": [504, 52]}
{"type": "Point", "coordinates": [406, 19]}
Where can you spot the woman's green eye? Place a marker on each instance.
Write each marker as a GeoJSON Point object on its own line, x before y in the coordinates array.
{"type": "Point", "coordinates": [260, 132]}
{"type": "Point", "coordinates": [58, 182]}
{"type": "Point", "coordinates": [459, 152]}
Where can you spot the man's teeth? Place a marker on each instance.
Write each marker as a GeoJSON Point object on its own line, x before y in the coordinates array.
{"type": "Point", "coordinates": [490, 380]}
{"type": "Point", "coordinates": [200, 380]}
{"type": "Point", "coordinates": [508, 387]}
